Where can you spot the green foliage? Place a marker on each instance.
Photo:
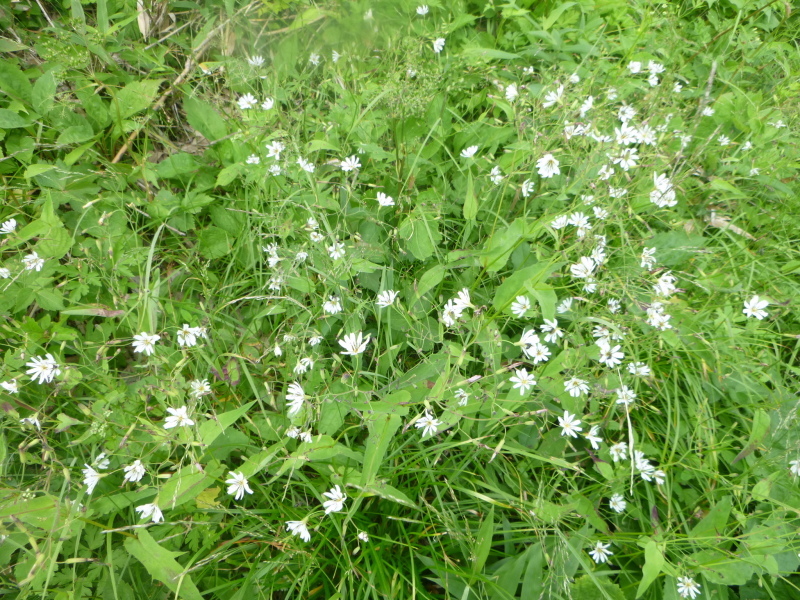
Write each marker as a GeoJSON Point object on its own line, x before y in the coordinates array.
{"type": "Point", "coordinates": [147, 194]}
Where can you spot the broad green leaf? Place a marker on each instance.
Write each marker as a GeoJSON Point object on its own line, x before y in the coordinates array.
{"type": "Point", "coordinates": [215, 242]}
{"type": "Point", "coordinates": [382, 428]}
{"type": "Point", "coordinates": [7, 45]}
{"type": "Point", "coordinates": [75, 134]}
{"type": "Point", "coordinates": [591, 587]}
{"type": "Point", "coordinates": [136, 97]}
{"type": "Point", "coordinates": [483, 543]}
{"type": "Point", "coordinates": [44, 91]}
{"type": "Point", "coordinates": [504, 241]}
{"type": "Point", "coordinates": [178, 164]}
{"type": "Point", "coordinates": [421, 232]}
{"type": "Point", "coordinates": [523, 282]}
{"type": "Point", "coordinates": [715, 522]}
{"type": "Point", "coordinates": [213, 428]}
{"type": "Point", "coordinates": [430, 279]}
{"type": "Point", "coordinates": [388, 492]}
{"type": "Point", "coordinates": [205, 119]}
{"type": "Point", "coordinates": [653, 562]}
{"type": "Point", "coordinates": [556, 15]}
{"type": "Point", "coordinates": [14, 82]}
{"type": "Point", "coordinates": [230, 174]}
{"type": "Point", "coordinates": [37, 169]}
{"type": "Point", "coordinates": [161, 565]}
{"type": "Point", "coordinates": [11, 120]}
{"type": "Point", "coordinates": [185, 484]}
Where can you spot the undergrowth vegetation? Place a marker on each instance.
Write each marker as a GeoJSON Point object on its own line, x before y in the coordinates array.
{"type": "Point", "coordinates": [385, 300]}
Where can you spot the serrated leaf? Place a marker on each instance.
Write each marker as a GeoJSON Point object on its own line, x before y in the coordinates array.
{"type": "Point", "coordinates": [161, 564]}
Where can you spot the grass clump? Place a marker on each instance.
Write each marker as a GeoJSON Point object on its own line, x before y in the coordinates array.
{"type": "Point", "coordinates": [371, 301]}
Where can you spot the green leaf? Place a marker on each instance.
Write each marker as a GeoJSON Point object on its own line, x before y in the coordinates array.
{"type": "Point", "coordinates": [488, 54]}
{"type": "Point", "coordinates": [524, 281]}
{"type": "Point", "coordinates": [11, 120]}
{"type": "Point", "coordinates": [211, 429]}
{"type": "Point", "coordinates": [161, 565]}
{"type": "Point", "coordinates": [215, 242]}
{"type": "Point", "coordinates": [229, 174]}
{"type": "Point", "coordinates": [382, 428]}
{"type": "Point", "coordinates": [421, 232]}
{"type": "Point", "coordinates": [556, 14]}
{"type": "Point", "coordinates": [430, 279]}
{"type": "Point", "coordinates": [591, 587]}
{"type": "Point", "coordinates": [715, 522]}
{"type": "Point", "coordinates": [484, 541]}
{"type": "Point", "coordinates": [136, 96]}
{"type": "Point", "coordinates": [75, 134]}
{"type": "Point", "coordinates": [7, 45]}
{"type": "Point", "coordinates": [185, 484]}
{"type": "Point", "coordinates": [205, 119]}
{"type": "Point", "coordinates": [653, 562]}
{"type": "Point", "coordinates": [37, 169]}
{"type": "Point", "coordinates": [499, 247]}
{"type": "Point", "coordinates": [43, 93]}
{"type": "Point", "coordinates": [14, 82]}
{"type": "Point", "coordinates": [49, 299]}
{"type": "Point", "coordinates": [178, 164]}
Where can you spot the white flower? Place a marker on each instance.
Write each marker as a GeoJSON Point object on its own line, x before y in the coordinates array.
{"type": "Point", "coordinates": [469, 152]}
{"type": "Point", "coordinates": [307, 166]}
{"type": "Point", "coordinates": [529, 71]}
{"type": "Point", "coordinates": [527, 187]}
{"type": "Point", "coordinates": [316, 236]}
{"type": "Point", "coordinates": [463, 397]}
{"type": "Point", "coordinates": [274, 150]}
{"type": "Point", "coordinates": [552, 98]}
{"type": "Point", "coordinates": [101, 462]}
{"type": "Point", "coordinates": [512, 92]}
{"type": "Point", "coordinates": [354, 343]}
{"type": "Point", "coordinates": [351, 163]}
{"type": "Point", "coordinates": [583, 268]}
{"type": "Point", "coordinates": [293, 432]}
{"type": "Point", "coordinates": [496, 175]}
{"type": "Point", "coordinates": [581, 221]}
{"type": "Point", "coordinates": [554, 332]}
{"type": "Point", "coordinates": [574, 78]}
{"type": "Point", "coordinates": [594, 438]}
{"type": "Point", "coordinates": [655, 67]}
{"type": "Point", "coordinates": [179, 417]}
{"type": "Point", "coordinates": [520, 306]}
{"type": "Point", "coordinates": [186, 336]}
{"type": "Point", "coordinates": [600, 552]}
{"type": "Point", "coordinates": [748, 145]}
{"type": "Point", "coordinates": [626, 113]}
{"type": "Point", "coordinates": [723, 140]}
{"type": "Point", "coordinates": [32, 262]}
{"type": "Point", "coordinates": [306, 437]}
{"type": "Point", "coordinates": [422, 10]}
{"type": "Point", "coordinates": [8, 226]}
{"type": "Point", "coordinates": [90, 478]}
{"type": "Point", "coordinates": [428, 423]}
{"type": "Point", "coordinates": [313, 58]}
{"type": "Point", "coordinates": [613, 305]}
{"type": "Point", "coordinates": [548, 166]}
{"type": "Point", "coordinates": [43, 369]}
{"type": "Point", "coordinates": [755, 171]}
{"type": "Point", "coordinates": [10, 386]}
{"type": "Point", "coordinates": [144, 342]}
{"type": "Point", "coordinates": [267, 104]}
{"type": "Point", "coordinates": [618, 451]}
{"type": "Point", "coordinates": [627, 158]}
{"type": "Point", "coordinates": [639, 369]}
{"type": "Point", "coordinates": [315, 340]}
{"type": "Point", "coordinates": [295, 396]}
{"type": "Point", "coordinates": [617, 503]}
{"type": "Point", "coordinates": [648, 258]}
{"type": "Point", "coordinates": [275, 170]}
{"type": "Point", "coordinates": [247, 101]}
{"type": "Point", "coordinates": [625, 395]}
{"type": "Point", "coordinates": [522, 380]}
{"type": "Point", "coordinates": [560, 222]}
{"type": "Point", "coordinates": [438, 45]}
{"type": "Point", "coordinates": [611, 94]}
{"type": "Point", "coordinates": [384, 200]}
{"type": "Point", "coordinates": [411, 73]}
{"type": "Point", "coordinates": [564, 306]}
{"type": "Point", "coordinates": [336, 499]}
{"type": "Point", "coordinates": [707, 111]}
{"type": "Point", "coordinates": [576, 387]}
{"type": "Point", "coordinates": [363, 536]}
{"type": "Point", "coordinates": [570, 425]}
{"type": "Point", "coordinates": [665, 285]}
{"type": "Point", "coordinates": [303, 365]}
{"type": "Point", "coordinates": [332, 306]}
{"type": "Point", "coordinates": [587, 106]}
{"type": "Point", "coordinates": [634, 67]}
{"type": "Point", "coordinates": [677, 87]}
{"type": "Point", "coordinates": [794, 467]}
{"type": "Point", "coordinates": [688, 587]}
{"type": "Point", "coordinates": [386, 298]}
{"type": "Point", "coordinates": [599, 213]}
{"type": "Point", "coordinates": [199, 388]}
{"type": "Point", "coordinates": [299, 529]}
{"type": "Point", "coordinates": [4, 273]}
{"type": "Point", "coordinates": [335, 56]}
{"type": "Point", "coordinates": [237, 485]}
{"type": "Point", "coordinates": [256, 61]}
{"type": "Point", "coordinates": [653, 80]}
{"type": "Point", "coordinates": [253, 160]}
{"type": "Point", "coordinates": [33, 421]}
{"type": "Point", "coordinates": [336, 250]}
{"type": "Point", "coordinates": [150, 511]}
{"type": "Point", "coordinates": [605, 172]}
{"type": "Point", "coordinates": [134, 471]}
{"type": "Point", "coordinates": [611, 357]}
{"type": "Point", "coordinates": [755, 308]}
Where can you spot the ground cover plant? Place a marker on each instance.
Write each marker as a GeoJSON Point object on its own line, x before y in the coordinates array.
{"type": "Point", "coordinates": [390, 300]}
